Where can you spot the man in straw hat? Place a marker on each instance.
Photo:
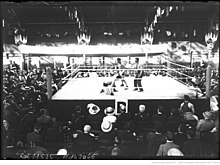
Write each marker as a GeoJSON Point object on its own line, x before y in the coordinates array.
{"type": "Point", "coordinates": [94, 118]}
{"type": "Point", "coordinates": [206, 124]}
{"type": "Point", "coordinates": [109, 111]}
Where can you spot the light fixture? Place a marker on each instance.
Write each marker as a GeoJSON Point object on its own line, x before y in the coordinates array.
{"type": "Point", "coordinates": [19, 37]}
{"type": "Point", "coordinates": [83, 37]}
{"type": "Point", "coordinates": [147, 36]}
{"type": "Point", "coordinates": [210, 39]}
{"type": "Point", "coordinates": [168, 33]}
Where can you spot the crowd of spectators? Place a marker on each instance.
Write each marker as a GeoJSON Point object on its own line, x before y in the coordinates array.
{"type": "Point", "coordinates": [29, 128]}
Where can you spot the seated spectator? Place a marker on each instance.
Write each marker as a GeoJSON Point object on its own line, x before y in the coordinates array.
{"type": "Point", "coordinates": [124, 118]}
{"type": "Point", "coordinates": [142, 120]}
{"type": "Point", "coordinates": [85, 142]}
{"type": "Point", "coordinates": [45, 121]}
{"type": "Point", "coordinates": [160, 117]}
{"type": "Point", "coordinates": [192, 147]}
{"type": "Point", "coordinates": [29, 120]}
{"type": "Point", "coordinates": [128, 140]}
{"type": "Point", "coordinates": [164, 148]}
{"type": "Point", "coordinates": [34, 138]}
{"type": "Point", "coordinates": [155, 139]}
{"type": "Point", "coordinates": [206, 124]}
{"type": "Point", "coordinates": [126, 134]}
{"type": "Point", "coordinates": [94, 118]}
{"type": "Point", "coordinates": [78, 120]}
{"type": "Point", "coordinates": [54, 134]}
{"type": "Point", "coordinates": [109, 112]}
{"type": "Point", "coordinates": [180, 137]}
{"type": "Point", "coordinates": [173, 120]}
{"type": "Point", "coordinates": [44, 118]}
{"type": "Point", "coordinates": [106, 137]}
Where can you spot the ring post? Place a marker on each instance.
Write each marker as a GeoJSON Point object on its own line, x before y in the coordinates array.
{"type": "Point", "coordinates": [208, 81]}
{"type": "Point", "coordinates": [49, 82]}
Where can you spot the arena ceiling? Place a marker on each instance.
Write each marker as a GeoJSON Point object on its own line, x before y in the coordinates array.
{"type": "Point", "coordinates": [47, 22]}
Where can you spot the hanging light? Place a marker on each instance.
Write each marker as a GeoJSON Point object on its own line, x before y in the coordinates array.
{"type": "Point", "coordinates": [19, 37]}
{"type": "Point", "coordinates": [210, 39]}
{"type": "Point", "coordinates": [83, 37]}
{"type": "Point", "coordinates": [147, 36]}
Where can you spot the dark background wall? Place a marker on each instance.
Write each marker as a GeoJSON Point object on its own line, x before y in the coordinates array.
{"type": "Point", "coordinates": [62, 109]}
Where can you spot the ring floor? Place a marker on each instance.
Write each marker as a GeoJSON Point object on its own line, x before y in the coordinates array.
{"type": "Point", "coordinates": [155, 87]}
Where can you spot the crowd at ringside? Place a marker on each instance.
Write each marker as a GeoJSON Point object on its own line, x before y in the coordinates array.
{"type": "Point", "coordinates": [29, 128]}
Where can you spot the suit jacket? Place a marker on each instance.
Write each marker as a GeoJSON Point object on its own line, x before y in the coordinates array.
{"type": "Point", "coordinates": [179, 139]}
{"type": "Point", "coordinates": [34, 137]}
{"type": "Point", "coordinates": [192, 148]}
{"type": "Point", "coordinates": [154, 143]}
{"type": "Point", "coordinates": [164, 148]}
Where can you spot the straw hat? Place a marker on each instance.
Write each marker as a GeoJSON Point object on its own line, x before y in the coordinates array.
{"type": "Point", "coordinates": [106, 126]}
{"type": "Point", "coordinates": [207, 115]}
{"type": "Point", "coordinates": [110, 118]}
{"type": "Point", "coordinates": [109, 111]}
{"type": "Point", "coordinates": [174, 152]}
{"type": "Point", "coordinates": [93, 109]}
{"type": "Point", "coordinates": [62, 152]}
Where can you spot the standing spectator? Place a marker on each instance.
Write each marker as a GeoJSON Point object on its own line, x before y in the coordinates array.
{"type": "Point", "coordinates": [164, 148]}
{"type": "Point", "coordinates": [187, 111]}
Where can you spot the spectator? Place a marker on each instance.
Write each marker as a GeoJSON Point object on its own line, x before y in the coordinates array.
{"type": "Point", "coordinates": [78, 119]}
{"type": "Point", "coordinates": [106, 137]}
{"type": "Point", "coordinates": [206, 124]}
{"type": "Point", "coordinates": [180, 137]}
{"type": "Point", "coordinates": [54, 133]}
{"type": "Point", "coordinates": [44, 118]}
{"type": "Point", "coordinates": [85, 142]}
{"type": "Point", "coordinates": [164, 148]}
{"type": "Point", "coordinates": [29, 120]}
{"type": "Point", "coordinates": [155, 139]}
{"type": "Point", "coordinates": [160, 118]}
{"type": "Point", "coordinates": [142, 120]}
{"type": "Point", "coordinates": [109, 111]}
{"type": "Point", "coordinates": [192, 146]}
{"type": "Point", "coordinates": [173, 120]}
{"type": "Point", "coordinates": [34, 138]}
{"type": "Point", "coordinates": [94, 118]}
{"type": "Point", "coordinates": [187, 111]}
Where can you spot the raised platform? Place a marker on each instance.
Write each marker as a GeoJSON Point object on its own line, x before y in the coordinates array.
{"type": "Point", "coordinates": [155, 87]}
{"type": "Point", "coordinates": [158, 90]}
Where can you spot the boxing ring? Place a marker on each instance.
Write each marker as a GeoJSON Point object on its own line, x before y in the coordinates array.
{"type": "Point", "coordinates": [155, 87]}
{"type": "Point", "coordinates": [158, 89]}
